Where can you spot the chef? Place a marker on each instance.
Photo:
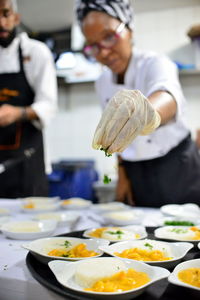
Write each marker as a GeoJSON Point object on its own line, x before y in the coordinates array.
{"type": "Point", "coordinates": [28, 97]}
{"type": "Point", "coordinates": [144, 111]}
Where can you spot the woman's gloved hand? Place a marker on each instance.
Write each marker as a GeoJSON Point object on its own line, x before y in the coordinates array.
{"type": "Point", "coordinates": [127, 115]}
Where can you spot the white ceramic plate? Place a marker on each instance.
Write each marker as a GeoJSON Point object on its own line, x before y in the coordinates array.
{"type": "Point", "coordinates": [177, 233]}
{"type": "Point", "coordinates": [123, 218]}
{"type": "Point", "coordinates": [175, 250]}
{"type": "Point", "coordinates": [62, 217]}
{"type": "Point", "coordinates": [39, 207]}
{"type": "Point", "coordinates": [28, 230]}
{"type": "Point", "coordinates": [173, 278]}
{"type": "Point", "coordinates": [41, 247]}
{"type": "Point", "coordinates": [65, 274]}
{"type": "Point", "coordinates": [110, 206]}
{"type": "Point", "coordinates": [75, 203]}
{"type": "Point", "coordinates": [4, 212]}
{"type": "Point", "coordinates": [132, 232]}
{"type": "Point", "coordinates": [188, 210]}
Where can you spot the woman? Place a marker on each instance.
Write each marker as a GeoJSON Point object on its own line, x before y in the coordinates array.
{"type": "Point", "coordinates": [144, 120]}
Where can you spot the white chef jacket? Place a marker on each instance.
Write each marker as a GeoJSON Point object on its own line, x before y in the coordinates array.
{"type": "Point", "coordinates": [149, 72]}
{"type": "Point", "coordinates": [40, 73]}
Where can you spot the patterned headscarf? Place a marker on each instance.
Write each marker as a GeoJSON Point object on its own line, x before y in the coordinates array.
{"type": "Point", "coordinates": [119, 9]}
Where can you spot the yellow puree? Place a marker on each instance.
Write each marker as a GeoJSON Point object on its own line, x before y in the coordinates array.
{"type": "Point", "coordinates": [121, 281]}
{"type": "Point", "coordinates": [190, 276]}
{"type": "Point", "coordinates": [144, 255]}
{"type": "Point", "coordinates": [29, 205]}
{"type": "Point", "coordinates": [65, 202]}
{"type": "Point", "coordinates": [78, 251]}
{"type": "Point", "coordinates": [197, 232]}
{"type": "Point", "coordinates": [98, 232]}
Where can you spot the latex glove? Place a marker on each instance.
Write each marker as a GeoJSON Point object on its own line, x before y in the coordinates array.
{"type": "Point", "coordinates": [127, 115]}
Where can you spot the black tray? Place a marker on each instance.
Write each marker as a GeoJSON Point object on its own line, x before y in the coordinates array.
{"type": "Point", "coordinates": [161, 290]}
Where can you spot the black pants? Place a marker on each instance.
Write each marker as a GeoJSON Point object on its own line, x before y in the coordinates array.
{"type": "Point", "coordinates": [172, 179]}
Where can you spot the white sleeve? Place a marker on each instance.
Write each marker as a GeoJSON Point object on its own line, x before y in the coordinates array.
{"type": "Point", "coordinates": [162, 74]}
{"type": "Point", "coordinates": [44, 84]}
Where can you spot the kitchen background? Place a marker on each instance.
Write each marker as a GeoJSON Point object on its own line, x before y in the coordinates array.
{"type": "Point", "coordinates": [159, 25]}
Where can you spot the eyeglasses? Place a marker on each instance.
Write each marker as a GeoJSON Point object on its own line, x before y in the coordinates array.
{"type": "Point", "coordinates": [108, 42]}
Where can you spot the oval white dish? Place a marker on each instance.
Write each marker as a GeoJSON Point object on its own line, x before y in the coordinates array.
{"type": "Point", "coordinates": [177, 233]}
{"type": "Point", "coordinates": [65, 273]}
{"type": "Point", "coordinates": [173, 278]}
{"type": "Point", "coordinates": [75, 203]}
{"type": "Point", "coordinates": [41, 247]}
{"type": "Point", "coordinates": [123, 218]}
{"type": "Point", "coordinates": [62, 217]}
{"type": "Point", "coordinates": [174, 250]}
{"type": "Point", "coordinates": [132, 232]}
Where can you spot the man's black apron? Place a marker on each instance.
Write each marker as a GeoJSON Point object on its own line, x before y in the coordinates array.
{"type": "Point", "coordinates": [27, 178]}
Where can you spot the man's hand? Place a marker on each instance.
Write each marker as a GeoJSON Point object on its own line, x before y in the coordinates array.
{"type": "Point", "coordinates": [127, 115]}
{"type": "Point", "coordinates": [9, 114]}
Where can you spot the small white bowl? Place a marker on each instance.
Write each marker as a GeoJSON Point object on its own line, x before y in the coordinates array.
{"type": "Point", "coordinates": [41, 247]}
{"type": "Point", "coordinates": [133, 229]}
{"type": "Point", "coordinates": [110, 206]}
{"type": "Point", "coordinates": [62, 217]}
{"type": "Point", "coordinates": [175, 250]}
{"type": "Point", "coordinates": [65, 274]}
{"type": "Point", "coordinates": [28, 230]}
{"type": "Point", "coordinates": [123, 218]}
{"type": "Point", "coordinates": [173, 278]}
{"type": "Point", "coordinates": [75, 203]}
{"type": "Point", "coordinates": [40, 200]}
{"type": "Point", "coordinates": [176, 233]}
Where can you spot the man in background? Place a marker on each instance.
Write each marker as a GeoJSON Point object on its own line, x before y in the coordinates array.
{"type": "Point", "coordinates": [28, 99]}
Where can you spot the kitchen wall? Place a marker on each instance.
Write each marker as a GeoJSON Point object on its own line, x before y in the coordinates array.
{"type": "Point", "coordinates": [161, 27]}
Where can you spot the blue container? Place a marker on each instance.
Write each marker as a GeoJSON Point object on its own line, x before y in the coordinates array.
{"type": "Point", "coordinates": [73, 179]}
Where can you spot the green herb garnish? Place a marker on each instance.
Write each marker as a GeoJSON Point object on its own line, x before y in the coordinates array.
{"type": "Point", "coordinates": [116, 232]}
{"type": "Point", "coordinates": [179, 223]}
{"type": "Point", "coordinates": [106, 152]}
{"type": "Point", "coordinates": [106, 179]}
{"type": "Point", "coordinates": [149, 245]}
{"type": "Point", "coordinates": [67, 244]}
{"type": "Point", "coordinates": [178, 230]}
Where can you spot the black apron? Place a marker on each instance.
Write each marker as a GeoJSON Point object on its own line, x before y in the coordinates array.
{"type": "Point", "coordinates": [28, 177]}
{"type": "Point", "coordinates": [171, 179]}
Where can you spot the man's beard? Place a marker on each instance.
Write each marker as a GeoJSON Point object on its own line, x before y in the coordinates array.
{"type": "Point", "coordinates": [5, 42]}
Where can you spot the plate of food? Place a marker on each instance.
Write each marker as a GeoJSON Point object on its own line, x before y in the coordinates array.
{"type": "Point", "coordinates": [39, 206]}
{"type": "Point", "coordinates": [191, 211]}
{"type": "Point", "coordinates": [62, 217]}
{"type": "Point", "coordinates": [153, 252]}
{"type": "Point", "coordinates": [187, 274]}
{"type": "Point", "coordinates": [28, 230]}
{"type": "Point", "coordinates": [65, 248]}
{"type": "Point", "coordinates": [3, 220]}
{"type": "Point", "coordinates": [40, 200]}
{"type": "Point", "coordinates": [127, 217]}
{"type": "Point", "coordinates": [110, 206]}
{"type": "Point", "coordinates": [75, 203]}
{"type": "Point", "coordinates": [116, 234]}
{"type": "Point", "coordinates": [178, 233]}
{"type": "Point", "coordinates": [107, 277]}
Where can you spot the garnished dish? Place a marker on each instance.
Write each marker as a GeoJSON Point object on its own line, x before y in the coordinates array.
{"type": "Point", "coordinates": [115, 234]}
{"type": "Point", "coordinates": [127, 217]}
{"type": "Point", "coordinates": [107, 276]}
{"type": "Point", "coordinates": [28, 230]}
{"type": "Point", "coordinates": [149, 251]}
{"type": "Point", "coordinates": [75, 203]}
{"type": "Point", "coordinates": [178, 233]}
{"type": "Point", "coordinates": [187, 274]}
{"type": "Point", "coordinates": [65, 248]}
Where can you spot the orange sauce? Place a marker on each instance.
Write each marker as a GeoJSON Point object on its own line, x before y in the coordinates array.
{"type": "Point", "coordinates": [79, 250]}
